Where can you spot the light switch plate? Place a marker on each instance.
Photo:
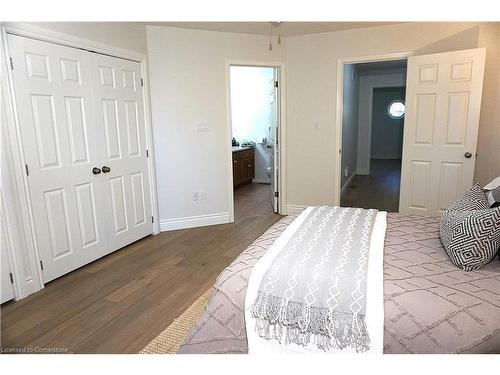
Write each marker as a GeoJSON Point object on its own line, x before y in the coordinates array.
{"type": "Point", "coordinates": [316, 124]}
{"type": "Point", "coordinates": [203, 127]}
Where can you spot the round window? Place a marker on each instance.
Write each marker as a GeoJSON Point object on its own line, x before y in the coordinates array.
{"type": "Point", "coordinates": [396, 109]}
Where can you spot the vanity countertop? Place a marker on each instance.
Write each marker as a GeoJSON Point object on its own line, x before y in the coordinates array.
{"type": "Point", "coordinates": [239, 148]}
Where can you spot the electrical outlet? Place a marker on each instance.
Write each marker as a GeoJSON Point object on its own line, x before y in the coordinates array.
{"type": "Point", "coordinates": [203, 195]}
{"type": "Point", "coordinates": [316, 124]}
{"type": "Point", "coordinates": [346, 172]}
{"type": "Point", "coordinates": [196, 196]}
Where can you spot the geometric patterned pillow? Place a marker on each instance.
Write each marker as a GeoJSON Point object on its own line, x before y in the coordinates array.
{"type": "Point", "coordinates": [473, 199]}
{"type": "Point", "coordinates": [470, 230]}
{"type": "Point", "coordinates": [471, 238]}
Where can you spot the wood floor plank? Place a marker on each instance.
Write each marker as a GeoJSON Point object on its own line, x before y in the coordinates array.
{"type": "Point", "coordinates": [119, 303]}
{"type": "Point", "coordinates": [379, 189]}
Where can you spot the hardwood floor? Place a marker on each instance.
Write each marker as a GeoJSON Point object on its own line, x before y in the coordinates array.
{"type": "Point", "coordinates": [378, 190]}
{"type": "Point", "coordinates": [119, 303]}
{"type": "Point", "coordinates": [252, 199]}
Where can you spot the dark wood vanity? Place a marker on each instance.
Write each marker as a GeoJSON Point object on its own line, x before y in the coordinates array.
{"type": "Point", "coordinates": [243, 165]}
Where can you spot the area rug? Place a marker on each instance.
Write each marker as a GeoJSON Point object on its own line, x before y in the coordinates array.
{"type": "Point", "coordinates": [169, 341]}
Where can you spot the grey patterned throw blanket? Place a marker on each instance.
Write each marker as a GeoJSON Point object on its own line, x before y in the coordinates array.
{"type": "Point", "coordinates": [315, 289]}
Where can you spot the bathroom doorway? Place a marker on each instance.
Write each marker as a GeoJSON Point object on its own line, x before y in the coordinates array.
{"type": "Point", "coordinates": [254, 116]}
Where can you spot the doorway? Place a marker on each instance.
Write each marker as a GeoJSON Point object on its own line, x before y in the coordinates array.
{"type": "Point", "coordinates": [254, 116]}
{"type": "Point", "coordinates": [441, 121]}
{"type": "Point", "coordinates": [372, 134]}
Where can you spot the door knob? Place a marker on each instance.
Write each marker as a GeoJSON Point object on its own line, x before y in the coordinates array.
{"type": "Point", "coordinates": [468, 155]}
{"type": "Point", "coordinates": [96, 170]}
{"type": "Point", "coordinates": [105, 169]}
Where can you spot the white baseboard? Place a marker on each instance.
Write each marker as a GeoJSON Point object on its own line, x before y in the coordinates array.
{"type": "Point", "coordinates": [363, 171]}
{"type": "Point", "coordinates": [195, 221]}
{"type": "Point", "coordinates": [347, 183]}
{"type": "Point", "coordinates": [293, 207]}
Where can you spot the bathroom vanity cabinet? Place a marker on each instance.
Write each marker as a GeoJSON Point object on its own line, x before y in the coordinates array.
{"type": "Point", "coordinates": [243, 165]}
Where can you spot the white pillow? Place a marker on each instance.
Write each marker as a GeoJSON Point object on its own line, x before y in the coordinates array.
{"type": "Point", "coordinates": [492, 191]}
{"type": "Point", "coordinates": [493, 184]}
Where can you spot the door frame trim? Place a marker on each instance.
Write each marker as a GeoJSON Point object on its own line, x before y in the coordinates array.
{"type": "Point", "coordinates": [340, 109]}
{"type": "Point", "coordinates": [282, 207]}
{"type": "Point", "coordinates": [16, 161]}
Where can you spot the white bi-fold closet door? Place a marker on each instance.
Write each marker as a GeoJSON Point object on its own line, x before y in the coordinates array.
{"type": "Point", "coordinates": [81, 119]}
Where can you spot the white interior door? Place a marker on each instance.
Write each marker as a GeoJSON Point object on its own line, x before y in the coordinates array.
{"type": "Point", "coordinates": [61, 142]}
{"type": "Point", "coordinates": [81, 117]}
{"type": "Point", "coordinates": [274, 141]}
{"type": "Point", "coordinates": [120, 113]}
{"type": "Point", "coordinates": [443, 101]}
{"type": "Point", "coordinates": [7, 289]}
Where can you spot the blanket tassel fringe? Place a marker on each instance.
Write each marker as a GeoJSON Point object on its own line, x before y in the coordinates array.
{"type": "Point", "coordinates": [302, 325]}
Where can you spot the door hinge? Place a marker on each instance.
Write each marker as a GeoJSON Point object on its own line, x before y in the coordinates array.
{"type": "Point", "coordinates": [142, 82]}
{"type": "Point", "coordinates": [276, 84]}
{"type": "Point", "coordinates": [276, 194]}
{"type": "Point", "coordinates": [41, 265]}
{"type": "Point", "coordinates": [11, 63]}
{"type": "Point", "coordinates": [27, 169]}
{"type": "Point", "coordinates": [11, 278]}
{"type": "Point", "coordinates": [152, 219]}
{"type": "Point", "coordinates": [147, 153]}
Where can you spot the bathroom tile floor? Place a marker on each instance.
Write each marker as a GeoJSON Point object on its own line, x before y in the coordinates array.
{"type": "Point", "coordinates": [252, 200]}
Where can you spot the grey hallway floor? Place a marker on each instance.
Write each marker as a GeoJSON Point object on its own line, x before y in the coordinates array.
{"type": "Point", "coordinates": [378, 190]}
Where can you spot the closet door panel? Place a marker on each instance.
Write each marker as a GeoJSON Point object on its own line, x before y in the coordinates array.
{"type": "Point", "coordinates": [120, 111]}
{"type": "Point", "coordinates": [61, 143]}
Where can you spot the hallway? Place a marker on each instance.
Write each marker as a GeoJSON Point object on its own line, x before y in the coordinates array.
{"type": "Point", "coordinates": [379, 189]}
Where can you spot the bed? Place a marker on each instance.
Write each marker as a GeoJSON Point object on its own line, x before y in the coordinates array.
{"type": "Point", "coordinates": [430, 306]}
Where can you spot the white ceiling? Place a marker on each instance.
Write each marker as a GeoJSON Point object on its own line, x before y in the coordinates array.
{"type": "Point", "coordinates": [285, 28]}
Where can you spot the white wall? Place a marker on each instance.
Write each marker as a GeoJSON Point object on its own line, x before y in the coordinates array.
{"type": "Point", "coordinates": [350, 123]}
{"type": "Point", "coordinates": [189, 68]}
{"type": "Point", "coordinates": [188, 81]}
{"type": "Point", "coordinates": [488, 143]}
{"type": "Point", "coordinates": [126, 35]}
{"type": "Point", "coordinates": [251, 111]}
{"type": "Point", "coordinates": [311, 95]}
{"type": "Point", "coordinates": [367, 82]}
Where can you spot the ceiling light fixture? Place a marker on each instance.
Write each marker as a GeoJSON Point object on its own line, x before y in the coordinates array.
{"type": "Point", "coordinates": [270, 37]}
{"type": "Point", "coordinates": [276, 25]}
